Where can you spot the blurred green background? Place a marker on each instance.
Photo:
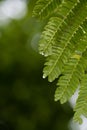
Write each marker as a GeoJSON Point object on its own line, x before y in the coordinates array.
{"type": "Point", "coordinates": [26, 99]}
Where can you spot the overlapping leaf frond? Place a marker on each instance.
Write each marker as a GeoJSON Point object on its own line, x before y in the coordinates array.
{"type": "Point", "coordinates": [44, 8]}
{"type": "Point", "coordinates": [62, 48]}
{"type": "Point", "coordinates": [53, 26]}
{"type": "Point", "coordinates": [64, 44]}
{"type": "Point", "coordinates": [81, 105]}
{"type": "Point", "coordinates": [74, 68]}
{"type": "Point", "coordinates": [73, 71]}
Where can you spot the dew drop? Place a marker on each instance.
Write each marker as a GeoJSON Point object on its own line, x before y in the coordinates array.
{"type": "Point", "coordinates": [44, 76]}
{"type": "Point", "coordinates": [42, 53]}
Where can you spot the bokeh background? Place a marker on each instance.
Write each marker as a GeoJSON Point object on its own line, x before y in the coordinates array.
{"type": "Point", "coordinates": [26, 99]}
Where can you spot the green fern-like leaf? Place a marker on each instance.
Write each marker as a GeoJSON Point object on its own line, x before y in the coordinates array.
{"type": "Point", "coordinates": [64, 44]}
{"type": "Point", "coordinates": [44, 8]}
{"type": "Point", "coordinates": [73, 70]}
{"type": "Point", "coordinates": [53, 26]}
{"type": "Point", "coordinates": [81, 104]}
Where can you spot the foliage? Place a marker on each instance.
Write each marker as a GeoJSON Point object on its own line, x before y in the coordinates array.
{"type": "Point", "coordinates": [26, 100]}
{"type": "Point", "coordinates": [64, 44]}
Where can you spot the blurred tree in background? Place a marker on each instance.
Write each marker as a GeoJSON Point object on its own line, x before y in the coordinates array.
{"type": "Point", "coordinates": [26, 100]}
